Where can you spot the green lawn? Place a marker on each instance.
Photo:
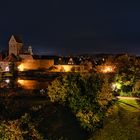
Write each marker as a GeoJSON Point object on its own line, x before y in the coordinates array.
{"type": "Point", "coordinates": [123, 124]}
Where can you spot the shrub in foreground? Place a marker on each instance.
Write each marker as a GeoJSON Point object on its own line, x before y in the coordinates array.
{"type": "Point", "coordinates": [87, 96]}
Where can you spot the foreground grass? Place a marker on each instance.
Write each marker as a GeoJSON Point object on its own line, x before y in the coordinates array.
{"type": "Point", "coordinates": [123, 124]}
{"type": "Point", "coordinates": [56, 122]}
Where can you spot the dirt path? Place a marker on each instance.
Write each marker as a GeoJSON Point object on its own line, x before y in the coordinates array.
{"type": "Point", "coordinates": [131, 98]}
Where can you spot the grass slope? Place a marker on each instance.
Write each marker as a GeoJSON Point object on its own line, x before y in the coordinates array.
{"type": "Point", "coordinates": [123, 124]}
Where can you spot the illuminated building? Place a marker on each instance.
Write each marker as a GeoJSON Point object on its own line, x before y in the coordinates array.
{"type": "Point", "coordinates": [24, 59]}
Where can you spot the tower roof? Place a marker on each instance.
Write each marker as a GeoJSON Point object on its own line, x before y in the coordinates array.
{"type": "Point", "coordinates": [18, 38]}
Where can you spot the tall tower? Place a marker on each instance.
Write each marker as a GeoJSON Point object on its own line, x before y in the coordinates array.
{"type": "Point", "coordinates": [30, 50]}
{"type": "Point", "coordinates": [15, 45]}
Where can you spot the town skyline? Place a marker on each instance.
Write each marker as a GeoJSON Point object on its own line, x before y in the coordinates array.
{"type": "Point", "coordinates": [67, 51]}
{"type": "Point", "coordinates": [73, 27]}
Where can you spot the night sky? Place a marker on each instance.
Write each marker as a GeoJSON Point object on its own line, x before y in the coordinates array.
{"type": "Point", "coordinates": [72, 26]}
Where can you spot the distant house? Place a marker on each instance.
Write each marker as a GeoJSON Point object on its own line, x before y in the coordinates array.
{"type": "Point", "coordinates": [67, 61]}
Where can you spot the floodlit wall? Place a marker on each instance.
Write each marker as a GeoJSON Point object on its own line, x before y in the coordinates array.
{"type": "Point", "coordinates": [35, 64]}
{"type": "Point", "coordinates": [26, 57]}
{"type": "Point", "coordinates": [68, 68]}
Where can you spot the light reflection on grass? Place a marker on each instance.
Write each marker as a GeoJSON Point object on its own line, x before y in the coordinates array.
{"type": "Point", "coordinates": [129, 105]}
{"type": "Point", "coordinates": [123, 124]}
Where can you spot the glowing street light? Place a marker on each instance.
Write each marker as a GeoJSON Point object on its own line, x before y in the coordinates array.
{"type": "Point", "coordinates": [116, 86]}
{"type": "Point", "coordinates": [7, 69]}
{"type": "Point", "coordinates": [7, 81]}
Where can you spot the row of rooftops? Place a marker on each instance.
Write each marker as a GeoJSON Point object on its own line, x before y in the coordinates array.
{"type": "Point", "coordinates": [57, 59]}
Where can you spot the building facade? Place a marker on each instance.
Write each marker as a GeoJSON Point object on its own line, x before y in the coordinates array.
{"type": "Point", "coordinates": [24, 59]}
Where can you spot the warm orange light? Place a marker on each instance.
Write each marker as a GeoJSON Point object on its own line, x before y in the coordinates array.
{"type": "Point", "coordinates": [27, 65]}
{"type": "Point", "coordinates": [67, 68]}
{"type": "Point", "coordinates": [27, 84]}
{"type": "Point", "coordinates": [21, 67]}
{"type": "Point", "coordinates": [107, 69]}
{"type": "Point", "coordinates": [63, 68]}
{"type": "Point", "coordinates": [20, 81]}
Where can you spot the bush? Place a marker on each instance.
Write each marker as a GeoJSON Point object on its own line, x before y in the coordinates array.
{"type": "Point", "coordinates": [19, 129]}
{"type": "Point", "coordinates": [88, 97]}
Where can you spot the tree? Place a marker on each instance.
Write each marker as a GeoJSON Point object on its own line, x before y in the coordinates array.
{"type": "Point", "coordinates": [105, 95]}
{"type": "Point", "coordinates": [127, 73]}
{"type": "Point", "coordinates": [57, 91]}
{"type": "Point", "coordinates": [87, 96]}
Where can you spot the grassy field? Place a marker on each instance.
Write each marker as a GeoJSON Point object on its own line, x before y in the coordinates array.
{"type": "Point", "coordinates": [123, 124]}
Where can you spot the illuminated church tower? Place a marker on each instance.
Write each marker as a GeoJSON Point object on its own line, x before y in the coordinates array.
{"type": "Point", "coordinates": [15, 45]}
{"type": "Point", "coordinates": [30, 50]}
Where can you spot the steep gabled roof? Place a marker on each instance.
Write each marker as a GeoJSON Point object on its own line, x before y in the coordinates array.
{"type": "Point", "coordinates": [18, 38]}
